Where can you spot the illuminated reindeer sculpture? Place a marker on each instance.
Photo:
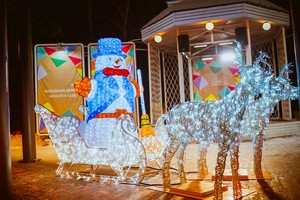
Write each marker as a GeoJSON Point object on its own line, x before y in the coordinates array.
{"type": "Point", "coordinates": [257, 114]}
{"type": "Point", "coordinates": [256, 117]}
{"type": "Point", "coordinates": [220, 121]}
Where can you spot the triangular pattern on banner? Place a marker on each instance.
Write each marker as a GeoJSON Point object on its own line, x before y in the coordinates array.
{"type": "Point", "coordinates": [231, 87]}
{"type": "Point", "coordinates": [68, 113]}
{"type": "Point", "coordinates": [41, 72]}
{"type": "Point", "coordinates": [93, 51]}
{"type": "Point", "coordinates": [48, 106]}
{"type": "Point", "coordinates": [237, 78]}
{"type": "Point", "coordinates": [125, 48]}
{"type": "Point", "coordinates": [58, 62]}
{"type": "Point", "coordinates": [224, 92]}
{"type": "Point", "coordinates": [215, 66]}
{"type": "Point", "coordinates": [197, 97]}
{"type": "Point", "coordinates": [203, 83]}
{"type": "Point", "coordinates": [200, 82]}
{"type": "Point", "coordinates": [75, 60]}
{"type": "Point", "coordinates": [197, 82]}
{"type": "Point", "coordinates": [69, 49]}
{"type": "Point", "coordinates": [210, 97]}
{"type": "Point", "coordinates": [196, 75]}
{"type": "Point", "coordinates": [50, 50]}
{"type": "Point", "coordinates": [40, 53]}
{"type": "Point", "coordinates": [233, 70]}
{"type": "Point", "coordinates": [208, 61]}
{"type": "Point", "coordinates": [79, 71]}
{"type": "Point", "coordinates": [92, 73]}
{"type": "Point", "coordinates": [131, 52]}
{"type": "Point", "coordinates": [42, 124]}
{"type": "Point", "coordinates": [199, 64]}
{"type": "Point", "coordinates": [78, 67]}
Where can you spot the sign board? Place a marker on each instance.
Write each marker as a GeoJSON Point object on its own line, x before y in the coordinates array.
{"type": "Point", "coordinates": [57, 67]}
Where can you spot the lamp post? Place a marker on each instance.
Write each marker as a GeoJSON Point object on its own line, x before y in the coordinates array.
{"type": "Point", "coordinates": [296, 34]}
{"type": "Point", "coordinates": [5, 157]}
{"type": "Point", "coordinates": [26, 58]}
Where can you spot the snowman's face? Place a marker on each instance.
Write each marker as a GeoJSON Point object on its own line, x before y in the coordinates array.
{"type": "Point", "coordinates": [110, 61]}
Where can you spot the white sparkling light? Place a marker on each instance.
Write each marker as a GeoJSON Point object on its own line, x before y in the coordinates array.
{"type": "Point", "coordinates": [228, 56]}
{"type": "Point", "coordinates": [225, 120]}
{"type": "Point", "coordinates": [124, 149]}
{"type": "Point", "coordinates": [158, 39]}
{"type": "Point", "coordinates": [266, 26]}
{"type": "Point", "coordinates": [106, 137]}
{"type": "Point", "coordinates": [209, 26]}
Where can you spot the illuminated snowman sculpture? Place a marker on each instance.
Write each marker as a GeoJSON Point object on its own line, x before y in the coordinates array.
{"type": "Point", "coordinates": [109, 94]}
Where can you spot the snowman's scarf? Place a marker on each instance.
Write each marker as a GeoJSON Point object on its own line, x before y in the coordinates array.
{"type": "Point", "coordinates": [115, 72]}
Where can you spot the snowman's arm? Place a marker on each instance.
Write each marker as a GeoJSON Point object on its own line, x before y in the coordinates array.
{"type": "Point", "coordinates": [83, 87]}
{"type": "Point", "coordinates": [137, 88]}
{"type": "Point", "coordinates": [94, 87]}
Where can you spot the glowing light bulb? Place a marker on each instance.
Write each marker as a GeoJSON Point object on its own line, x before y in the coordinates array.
{"type": "Point", "coordinates": [266, 26]}
{"type": "Point", "coordinates": [209, 26]}
{"type": "Point", "coordinates": [158, 39]}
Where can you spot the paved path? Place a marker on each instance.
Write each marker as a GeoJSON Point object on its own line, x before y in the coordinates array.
{"type": "Point", "coordinates": [281, 158]}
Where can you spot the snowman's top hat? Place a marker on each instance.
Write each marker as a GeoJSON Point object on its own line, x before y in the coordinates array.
{"type": "Point", "coordinates": [109, 46]}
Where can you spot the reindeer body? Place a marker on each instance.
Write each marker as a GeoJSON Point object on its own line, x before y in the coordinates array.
{"type": "Point", "coordinates": [206, 122]}
{"type": "Point", "coordinates": [219, 121]}
{"type": "Point", "coordinates": [257, 114]}
{"type": "Point", "coordinates": [254, 120]}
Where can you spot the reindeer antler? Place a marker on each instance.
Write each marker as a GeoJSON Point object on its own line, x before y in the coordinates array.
{"type": "Point", "coordinates": [263, 59]}
{"type": "Point", "coordinates": [285, 69]}
{"type": "Point", "coordinates": [239, 54]}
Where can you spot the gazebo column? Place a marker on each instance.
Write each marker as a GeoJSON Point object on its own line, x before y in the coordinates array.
{"type": "Point", "coordinates": [296, 39]}
{"type": "Point", "coordinates": [180, 72]}
{"type": "Point", "coordinates": [190, 66]}
{"type": "Point", "coordinates": [286, 108]}
{"type": "Point", "coordinates": [248, 47]}
{"type": "Point", "coordinates": [5, 156]}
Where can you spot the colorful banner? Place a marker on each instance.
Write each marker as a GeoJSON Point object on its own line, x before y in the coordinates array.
{"type": "Point", "coordinates": [213, 79]}
{"type": "Point", "coordinates": [57, 67]}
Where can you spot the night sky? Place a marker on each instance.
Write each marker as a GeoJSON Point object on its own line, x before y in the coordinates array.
{"type": "Point", "coordinates": [86, 21]}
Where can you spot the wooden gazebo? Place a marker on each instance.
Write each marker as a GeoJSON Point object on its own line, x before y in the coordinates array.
{"type": "Point", "coordinates": [187, 45]}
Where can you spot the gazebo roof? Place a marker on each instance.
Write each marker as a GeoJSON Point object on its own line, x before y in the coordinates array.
{"type": "Point", "coordinates": [184, 16]}
{"type": "Point", "coordinates": [180, 5]}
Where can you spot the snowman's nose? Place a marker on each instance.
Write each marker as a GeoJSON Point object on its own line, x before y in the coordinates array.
{"type": "Point", "coordinates": [117, 61]}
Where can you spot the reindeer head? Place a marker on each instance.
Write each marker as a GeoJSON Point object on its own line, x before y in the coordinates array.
{"type": "Point", "coordinates": [256, 78]}
{"type": "Point", "coordinates": [281, 88]}
{"type": "Point", "coordinates": [259, 79]}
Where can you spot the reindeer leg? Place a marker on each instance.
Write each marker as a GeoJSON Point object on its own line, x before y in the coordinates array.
{"type": "Point", "coordinates": [201, 160]}
{"type": "Point", "coordinates": [257, 147]}
{"type": "Point", "coordinates": [167, 157]}
{"type": "Point", "coordinates": [234, 157]}
{"type": "Point", "coordinates": [223, 148]}
{"type": "Point", "coordinates": [180, 162]}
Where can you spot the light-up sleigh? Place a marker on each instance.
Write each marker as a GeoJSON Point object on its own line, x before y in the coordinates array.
{"type": "Point", "coordinates": [125, 155]}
